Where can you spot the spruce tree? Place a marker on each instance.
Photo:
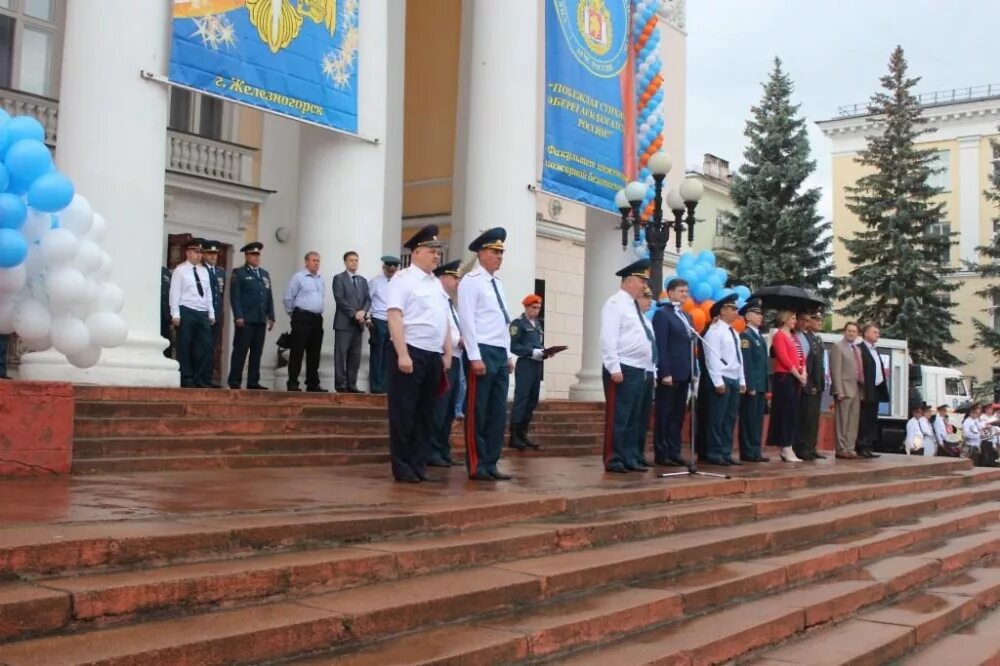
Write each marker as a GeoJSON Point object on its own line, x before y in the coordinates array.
{"type": "Point", "coordinates": [989, 268]}
{"type": "Point", "coordinates": [899, 258]}
{"type": "Point", "coordinates": [779, 238]}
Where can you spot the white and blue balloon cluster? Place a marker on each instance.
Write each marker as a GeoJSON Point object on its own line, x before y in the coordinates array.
{"type": "Point", "coordinates": [707, 281]}
{"type": "Point", "coordinates": [648, 66]}
{"type": "Point", "coordinates": [55, 288]}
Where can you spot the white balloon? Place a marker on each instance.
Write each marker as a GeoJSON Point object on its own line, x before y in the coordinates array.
{"type": "Point", "coordinates": [77, 217]}
{"type": "Point", "coordinates": [65, 286]}
{"type": "Point", "coordinates": [32, 320]}
{"type": "Point", "coordinates": [36, 226]}
{"type": "Point", "coordinates": [69, 335]}
{"type": "Point", "coordinates": [37, 344]}
{"type": "Point", "coordinates": [107, 329]}
{"type": "Point", "coordinates": [12, 280]}
{"type": "Point", "coordinates": [88, 257]}
{"type": "Point", "coordinates": [34, 263]}
{"type": "Point", "coordinates": [59, 247]}
{"type": "Point", "coordinates": [103, 273]}
{"type": "Point", "coordinates": [7, 309]}
{"type": "Point", "coordinates": [109, 298]}
{"type": "Point", "coordinates": [98, 228]}
{"type": "Point", "coordinates": [87, 305]}
{"type": "Point", "coordinates": [86, 358]}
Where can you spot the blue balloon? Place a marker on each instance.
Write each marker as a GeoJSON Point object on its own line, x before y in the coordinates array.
{"type": "Point", "coordinates": [707, 257]}
{"type": "Point", "coordinates": [718, 293]}
{"type": "Point", "coordinates": [743, 292]}
{"type": "Point", "coordinates": [4, 117]}
{"type": "Point", "coordinates": [13, 248]}
{"type": "Point", "coordinates": [13, 212]}
{"type": "Point", "coordinates": [50, 192]}
{"type": "Point", "coordinates": [27, 160]}
{"type": "Point", "coordinates": [701, 292]}
{"type": "Point", "coordinates": [713, 281]}
{"type": "Point", "coordinates": [4, 174]}
{"type": "Point", "coordinates": [687, 259]}
{"type": "Point", "coordinates": [721, 274]}
{"type": "Point", "coordinates": [25, 127]}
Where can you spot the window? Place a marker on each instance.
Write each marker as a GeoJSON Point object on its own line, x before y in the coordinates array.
{"type": "Point", "coordinates": [940, 165]}
{"type": "Point", "coordinates": [195, 113]}
{"type": "Point", "coordinates": [954, 386]}
{"type": "Point", "coordinates": [29, 45]}
{"type": "Point", "coordinates": [720, 223]}
{"type": "Point", "coordinates": [943, 229]}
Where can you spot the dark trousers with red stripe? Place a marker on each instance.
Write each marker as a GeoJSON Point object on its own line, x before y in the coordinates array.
{"type": "Point", "coordinates": [623, 415]}
{"type": "Point", "coordinates": [486, 411]}
{"type": "Point", "coordinates": [412, 398]}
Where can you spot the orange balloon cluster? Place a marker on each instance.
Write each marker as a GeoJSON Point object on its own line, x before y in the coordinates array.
{"type": "Point", "coordinates": [701, 314]}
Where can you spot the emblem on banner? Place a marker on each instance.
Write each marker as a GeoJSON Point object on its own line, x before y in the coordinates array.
{"type": "Point", "coordinates": [593, 20]}
{"type": "Point", "coordinates": [596, 31]}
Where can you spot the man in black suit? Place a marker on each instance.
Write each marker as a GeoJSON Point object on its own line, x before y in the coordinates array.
{"type": "Point", "coordinates": [807, 325]}
{"type": "Point", "coordinates": [350, 291]}
{"type": "Point", "coordinates": [876, 390]}
{"type": "Point", "coordinates": [672, 329]}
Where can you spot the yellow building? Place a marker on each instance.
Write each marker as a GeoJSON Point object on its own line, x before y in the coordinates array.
{"type": "Point", "coordinates": [965, 121]}
{"type": "Point", "coordinates": [713, 208]}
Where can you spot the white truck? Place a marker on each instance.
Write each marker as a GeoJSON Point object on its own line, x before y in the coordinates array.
{"type": "Point", "coordinates": [908, 384]}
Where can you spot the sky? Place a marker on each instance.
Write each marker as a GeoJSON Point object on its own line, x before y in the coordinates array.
{"type": "Point", "coordinates": [834, 50]}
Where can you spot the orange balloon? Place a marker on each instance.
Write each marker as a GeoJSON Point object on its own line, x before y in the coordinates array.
{"type": "Point", "coordinates": [663, 295]}
{"type": "Point", "coordinates": [706, 307]}
{"type": "Point", "coordinates": [689, 305]}
{"type": "Point", "coordinates": [699, 319]}
{"type": "Point", "coordinates": [740, 325]}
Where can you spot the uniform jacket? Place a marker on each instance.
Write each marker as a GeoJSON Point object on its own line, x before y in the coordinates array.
{"type": "Point", "coordinates": [250, 297]}
{"type": "Point", "coordinates": [164, 294]}
{"type": "Point", "coordinates": [843, 369]}
{"type": "Point", "coordinates": [217, 280]}
{"type": "Point", "coordinates": [755, 360]}
{"type": "Point", "coordinates": [815, 370]}
{"type": "Point", "coordinates": [673, 345]}
{"type": "Point", "coordinates": [873, 393]}
{"type": "Point", "coordinates": [525, 338]}
{"type": "Point", "coordinates": [350, 296]}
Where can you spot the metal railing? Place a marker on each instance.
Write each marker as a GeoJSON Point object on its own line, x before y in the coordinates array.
{"type": "Point", "coordinates": [969, 94]}
{"type": "Point", "coordinates": [186, 153]}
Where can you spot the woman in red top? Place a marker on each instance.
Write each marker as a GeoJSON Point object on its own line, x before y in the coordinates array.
{"type": "Point", "coordinates": [789, 378]}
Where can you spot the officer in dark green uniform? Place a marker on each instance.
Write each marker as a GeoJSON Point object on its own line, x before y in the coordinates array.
{"type": "Point", "coordinates": [755, 360]}
{"type": "Point", "coordinates": [166, 326]}
{"type": "Point", "coordinates": [526, 343]}
{"type": "Point", "coordinates": [217, 281]}
{"type": "Point", "coordinates": [253, 315]}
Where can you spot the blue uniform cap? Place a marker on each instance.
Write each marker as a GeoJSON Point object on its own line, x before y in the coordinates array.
{"type": "Point", "coordinates": [638, 269]}
{"type": "Point", "coordinates": [491, 239]}
{"type": "Point", "coordinates": [252, 248]}
{"type": "Point", "coordinates": [725, 300]}
{"type": "Point", "coordinates": [390, 260]}
{"type": "Point", "coordinates": [451, 268]}
{"type": "Point", "coordinates": [426, 237]}
{"type": "Point", "coordinates": [753, 305]}
{"type": "Point", "coordinates": [194, 244]}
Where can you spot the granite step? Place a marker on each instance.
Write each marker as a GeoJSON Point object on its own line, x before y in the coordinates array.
{"type": "Point", "coordinates": [978, 644]}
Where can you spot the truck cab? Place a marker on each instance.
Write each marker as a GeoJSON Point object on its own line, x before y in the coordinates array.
{"type": "Point", "coordinates": [940, 386]}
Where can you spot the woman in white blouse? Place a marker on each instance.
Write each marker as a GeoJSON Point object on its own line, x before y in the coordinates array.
{"type": "Point", "coordinates": [970, 428]}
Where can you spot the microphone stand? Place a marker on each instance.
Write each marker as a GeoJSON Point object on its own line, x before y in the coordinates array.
{"type": "Point", "coordinates": [692, 469]}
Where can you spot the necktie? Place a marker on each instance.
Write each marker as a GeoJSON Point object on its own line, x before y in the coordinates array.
{"type": "Point", "coordinates": [506, 317]}
{"type": "Point", "coordinates": [736, 343]}
{"type": "Point", "coordinates": [649, 336]}
{"type": "Point", "coordinates": [197, 281]}
{"type": "Point", "coordinates": [857, 363]}
{"type": "Point", "coordinates": [256, 274]}
{"type": "Point", "coordinates": [453, 315]}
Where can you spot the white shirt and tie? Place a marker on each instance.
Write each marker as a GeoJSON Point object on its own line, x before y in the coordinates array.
{"type": "Point", "coordinates": [879, 376]}
{"type": "Point", "coordinates": [483, 313]}
{"type": "Point", "coordinates": [421, 299]}
{"type": "Point", "coordinates": [190, 288]}
{"type": "Point", "coordinates": [626, 334]}
{"type": "Point", "coordinates": [378, 289]}
{"type": "Point", "coordinates": [455, 328]}
{"type": "Point", "coordinates": [722, 354]}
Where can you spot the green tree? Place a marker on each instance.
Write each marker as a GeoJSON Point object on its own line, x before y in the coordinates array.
{"type": "Point", "coordinates": [900, 256]}
{"type": "Point", "coordinates": [989, 268]}
{"type": "Point", "coordinates": [778, 235]}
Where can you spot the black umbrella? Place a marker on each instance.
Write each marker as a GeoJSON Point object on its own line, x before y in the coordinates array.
{"type": "Point", "coordinates": [787, 297]}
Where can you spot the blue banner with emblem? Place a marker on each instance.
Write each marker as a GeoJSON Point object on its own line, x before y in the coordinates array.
{"type": "Point", "coordinates": [586, 52]}
{"type": "Point", "coordinates": [297, 58]}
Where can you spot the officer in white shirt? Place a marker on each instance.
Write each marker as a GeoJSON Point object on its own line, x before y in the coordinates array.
{"type": "Point", "coordinates": [627, 354]}
{"type": "Point", "coordinates": [444, 413]}
{"type": "Point", "coordinates": [724, 360]}
{"type": "Point", "coordinates": [192, 314]}
{"type": "Point", "coordinates": [485, 320]}
{"type": "Point", "coordinates": [378, 338]}
{"type": "Point", "coordinates": [419, 356]}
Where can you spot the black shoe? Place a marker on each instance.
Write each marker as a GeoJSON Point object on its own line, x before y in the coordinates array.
{"type": "Point", "coordinates": [481, 476]}
{"type": "Point", "coordinates": [257, 387]}
{"type": "Point", "coordinates": [316, 389]}
{"type": "Point", "coordinates": [818, 456]}
{"type": "Point", "coordinates": [353, 390]}
{"type": "Point", "coordinates": [340, 389]}
{"type": "Point", "coordinates": [407, 479]}
{"type": "Point", "coordinates": [437, 462]}
{"type": "Point", "coordinates": [872, 454]}
{"type": "Point", "coordinates": [216, 386]}
{"type": "Point", "coordinates": [617, 468]}
{"type": "Point", "coordinates": [430, 479]}
{"type": "Point", "coordinates": [636, 468]}
{"type": "Point", "coordinates": [527, 440]}
{"type": "Point", "coordinates": [805, 455]}
{"type": "Point", "coordinates": [294, 389]}
{"type": "Point", "coordinates": [500, 476]}
{"type": "Point", "coordinates": [234, 388]}
{"type": "Point", "coordinates": [732, 461]}
{"type": "Point", "coordinates": [716, 461]}
{"type": "Point", "coordinates": [188, 385]}
{"type": "Point", "coordinates": [680, 461]}
{"type": "Point", "coordinates": [642, 462]}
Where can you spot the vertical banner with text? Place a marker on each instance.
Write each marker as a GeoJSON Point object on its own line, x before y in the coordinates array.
{"type": "Point", "coordinates": [297, 59]}
{"type": "Point", "coordinates": [586, 51]}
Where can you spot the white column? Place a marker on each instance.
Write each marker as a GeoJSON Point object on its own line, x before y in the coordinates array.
{"type": "Point", "coordinates": [342, 179]}
{"type": "Point", "coordinates": [393, 138]}
{"type": "Point", "coordinates": [112, 127]}
{"type": "Point", "coordinates": [501, 152]}
{"type": "Point", "coordinates": [604, 257]}
{"type": "Point", "coordinates": [970, 188]}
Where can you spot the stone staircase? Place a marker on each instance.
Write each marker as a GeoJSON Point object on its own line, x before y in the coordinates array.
{"type": "Point", "coordinates": [860, 562]}
{"type": "Point", "coordinates": [142, 429]}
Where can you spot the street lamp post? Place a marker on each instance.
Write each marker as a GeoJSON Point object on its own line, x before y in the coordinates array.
{"type": "Point", "coordinates": [629, 201]}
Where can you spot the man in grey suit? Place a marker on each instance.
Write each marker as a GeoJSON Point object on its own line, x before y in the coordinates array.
{"type": "Point", "coordinates": [350, 291]}
{"type": "Point", "coordinates": [846, 380]}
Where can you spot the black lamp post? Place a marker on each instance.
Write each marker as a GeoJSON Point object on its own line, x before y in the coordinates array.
{"type": "Point", "coordinates": [629, 201]}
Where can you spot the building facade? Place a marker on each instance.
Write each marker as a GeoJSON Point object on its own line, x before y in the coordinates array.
{"type": "Point", "coordinates": [965, 122]}
{"type": "Point", "coordinates": [713, 209]}
{"type": "Point", "coordinates": [452, 89]}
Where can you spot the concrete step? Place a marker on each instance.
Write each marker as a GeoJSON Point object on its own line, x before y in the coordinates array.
{"type": "Point", "coordinates": [225, 409]}
{"type": "Point", "coordinates": [562, 555]}
{"type": "Point", "coordinates": [977, 643]}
